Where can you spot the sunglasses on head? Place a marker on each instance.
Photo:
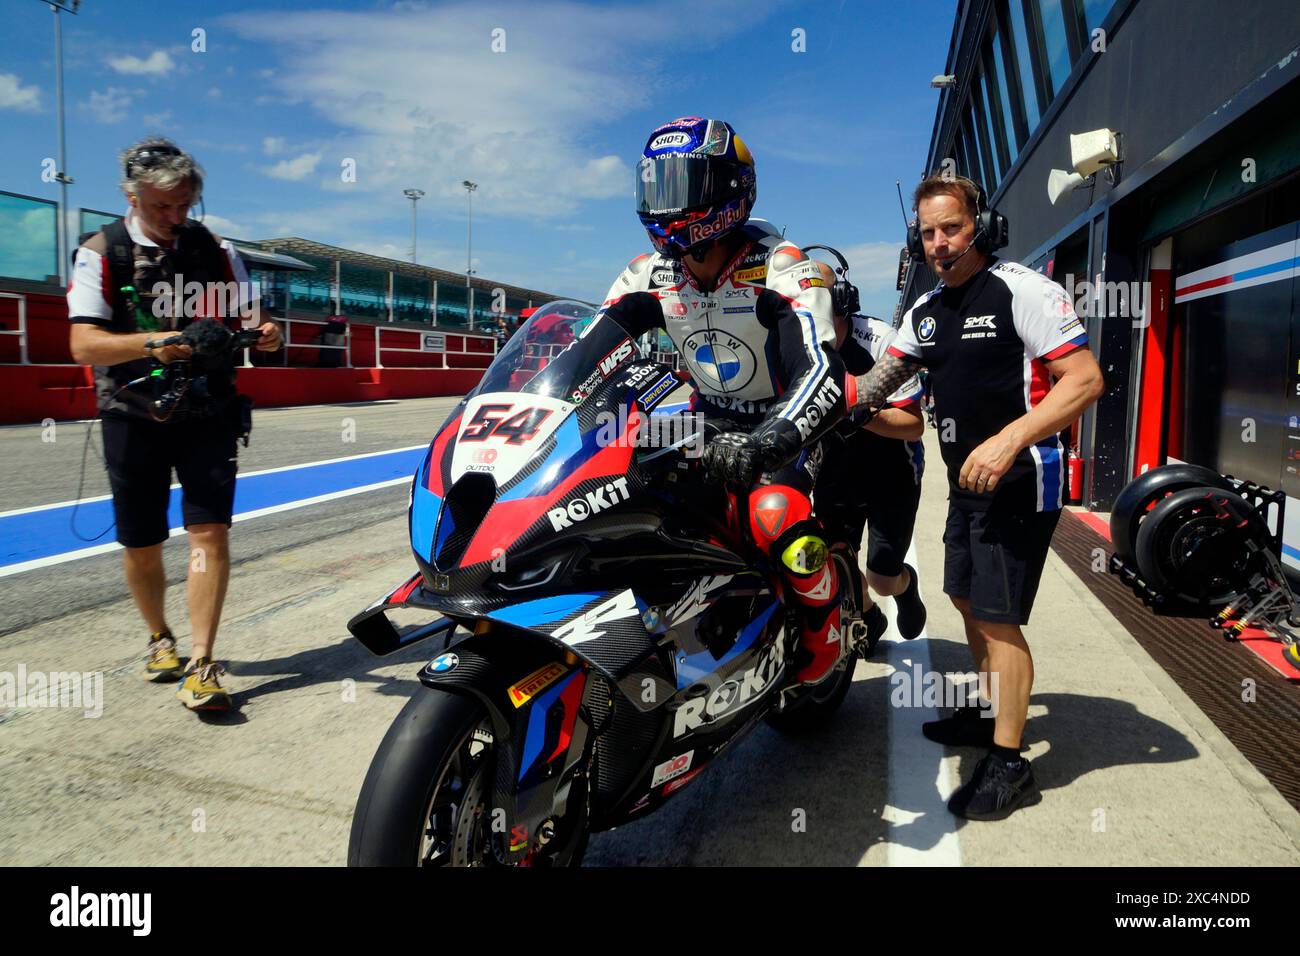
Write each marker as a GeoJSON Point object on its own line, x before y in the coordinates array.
{"type": "Point", "coordinates": [147, 158]}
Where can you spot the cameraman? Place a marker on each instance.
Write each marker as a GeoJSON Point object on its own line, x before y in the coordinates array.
{"type": "Point", "coordinates": [120, 303]}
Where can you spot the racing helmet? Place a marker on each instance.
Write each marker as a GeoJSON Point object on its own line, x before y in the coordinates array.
{"type": "Point", "coordinates": [695, 184]}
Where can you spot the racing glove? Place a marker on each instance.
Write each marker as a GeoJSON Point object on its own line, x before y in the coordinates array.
{"type": "Point", "coordinates": [739, 458]}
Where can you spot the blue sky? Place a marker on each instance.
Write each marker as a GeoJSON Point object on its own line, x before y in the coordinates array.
{"type": "Point", "coordinates": [550, 127]}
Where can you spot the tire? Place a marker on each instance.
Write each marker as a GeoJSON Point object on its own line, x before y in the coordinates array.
{"type": "Point", "coordinates": [813, 710]}
{"type": "Point", "coordinates": [1145, 491]}
{"type": "Point", "coordinates": [1193, 546]}
{"type": "Point", "coordinates": [388, 823]}
{"type": "Point", "coordinates": [440, 747]}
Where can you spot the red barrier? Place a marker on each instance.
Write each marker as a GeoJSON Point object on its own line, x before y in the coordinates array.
{"type": "Point", "coordinates": [53, 387]}
{"type": "Point", "coordinates": [33, 393]}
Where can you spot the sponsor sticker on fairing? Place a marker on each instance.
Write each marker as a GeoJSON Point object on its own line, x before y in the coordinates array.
{"type": "Point", "coordinates": [670, 769]}
{"type": "Point", "coordinates": [617, 356]}
{"type": "Point", "coordinates": [657, 391]}
{"type": "Point", "coordinates": [536, 682]}
{"type": "Point", "coordinates": [593, 502]}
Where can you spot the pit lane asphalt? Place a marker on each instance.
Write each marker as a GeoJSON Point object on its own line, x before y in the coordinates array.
{"type": "Point", "coordinates": [1132, 772]}
{"type": "Point", "coordinates": [35, 471]}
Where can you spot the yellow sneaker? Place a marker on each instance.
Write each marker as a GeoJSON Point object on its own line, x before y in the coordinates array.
{"type": "Point", "coordinates": [162, 664]}
{"type": "Point", "coordinates": [200, 690]}
{"type": "Point", "coordinates": [1291, 653]}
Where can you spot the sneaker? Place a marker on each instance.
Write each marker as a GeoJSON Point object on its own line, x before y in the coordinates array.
{"type": "Point", "coordinates": [965, 728]}
{"type": "Point", "coordinates": [911, 612]}
{"type": "Point", "coordinates": [1291, 654]}
{"type": "Point", "coordinates": [200, 690]}
{"type": "Point", "coordinates": [162, 664]}
{"type": "Point", "coordinates": [995, 790]}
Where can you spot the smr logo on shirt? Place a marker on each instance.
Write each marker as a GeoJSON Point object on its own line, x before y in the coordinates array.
{"type": "Point", "coordinates": [979, 322]}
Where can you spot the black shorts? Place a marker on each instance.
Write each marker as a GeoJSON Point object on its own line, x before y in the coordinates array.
{"type": "Point", "coordinates": [141, 455]}
{"type": "Point", "coordinates": [995, 560]}
{"type": "Point", "coordinates": [884, 499]}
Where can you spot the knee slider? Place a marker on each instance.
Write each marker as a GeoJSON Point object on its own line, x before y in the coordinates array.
{"type": "Point", "coordinates": [802, 550]}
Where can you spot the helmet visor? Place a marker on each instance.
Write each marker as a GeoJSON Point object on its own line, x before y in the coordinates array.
{"type": "Point", "coordinates": [666, 185]}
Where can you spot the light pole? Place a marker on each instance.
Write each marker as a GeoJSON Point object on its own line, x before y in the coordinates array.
{"type": "Point", "coordinates": [469, 252]}
{"type": "Point", "coordinates": [415, 195]}
{"type": "Point", "coordinates": [61, 176]}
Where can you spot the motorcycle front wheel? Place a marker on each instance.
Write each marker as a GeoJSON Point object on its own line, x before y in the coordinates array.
{"type": "Point", "coordinates": [425, 800]}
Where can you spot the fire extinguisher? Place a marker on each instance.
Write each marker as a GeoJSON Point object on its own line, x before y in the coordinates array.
{"type": "Point", "coordinates": [1076, 476]}
{"type": "Point", "coordinates": [1075, 465]}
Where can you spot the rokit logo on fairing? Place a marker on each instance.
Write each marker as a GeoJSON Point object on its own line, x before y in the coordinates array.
{"type": "Point", "coordinates": [734, 694]}
{"type": "Point", "coordinates": [593, 502]}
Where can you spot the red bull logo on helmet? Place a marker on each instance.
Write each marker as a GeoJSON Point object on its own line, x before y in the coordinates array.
{"type": "Point", "coordinates": [720, 223]}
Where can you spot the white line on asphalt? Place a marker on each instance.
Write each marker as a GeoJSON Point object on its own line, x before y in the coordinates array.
{"type": "Point", "coordinates": [242, 474]}
{"type": "Point", "coordinates": [921, 830]}
{"type": "Point", "coordinates": [260, 512]}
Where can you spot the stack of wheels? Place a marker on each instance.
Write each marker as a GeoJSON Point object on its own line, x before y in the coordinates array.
{"type": "Point", "coordinates": [1189, 533]}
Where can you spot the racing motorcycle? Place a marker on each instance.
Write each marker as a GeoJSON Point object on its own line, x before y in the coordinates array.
{"type": "Point", "coordinates": [606, 630]}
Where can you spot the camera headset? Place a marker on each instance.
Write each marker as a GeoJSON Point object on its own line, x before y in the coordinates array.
{"type": "Point", "coordinates": [844, 294]}
{"type": "Point", "coordinates": [992, 231]}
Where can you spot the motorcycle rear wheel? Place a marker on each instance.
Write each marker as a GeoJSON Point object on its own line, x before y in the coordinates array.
{"type": "Point", "coordinates": [1136, 501]}
{"type": "Point", "coordinates": [1194, 546]}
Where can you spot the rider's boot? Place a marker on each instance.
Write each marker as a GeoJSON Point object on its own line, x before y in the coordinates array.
{"type": "Point", "coordinates": [817, 590]}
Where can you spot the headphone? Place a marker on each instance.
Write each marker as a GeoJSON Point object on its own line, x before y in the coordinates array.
{"type": "Point", "coordinates": [844, 294]}
{"type": "Point", "coordinates": [991, 228]}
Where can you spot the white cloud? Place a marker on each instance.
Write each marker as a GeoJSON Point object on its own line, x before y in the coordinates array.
{"type": "Point", "coordinates": [873, 266]}
{"type": "Point", "coordinates": [273, 144]}
{"type": "Point", "coordinates": [158, 63]}
{"type": "Point", "coordinates": [15, 96]}
{"type": "Point", "coordinates": [215, 92]}
{"type": "Point", "coordinates": [525, 129]}
{"type": "Point", "coordinates": [110, 105]}
{"type": "Point", "coordinates": [294, 169]}
{"type": "Point", "coordinates": [161, 120]}
{"type": "Point", "coordinates": [225, 227]}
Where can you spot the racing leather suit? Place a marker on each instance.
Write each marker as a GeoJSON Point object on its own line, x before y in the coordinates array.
{"type": "Point", "coordinates": [760, 351]}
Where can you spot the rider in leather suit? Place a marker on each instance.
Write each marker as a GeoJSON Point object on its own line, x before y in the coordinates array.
{"type": "Point", "coordinates": [751, 316]}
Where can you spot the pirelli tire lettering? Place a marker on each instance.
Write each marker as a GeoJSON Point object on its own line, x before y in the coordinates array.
{"type": "Point", "coordinates": [734, 694]}
{"type": "Point", "coordinates": [593, 502]}
{"type": "Point", "coordinates": [822, 405]}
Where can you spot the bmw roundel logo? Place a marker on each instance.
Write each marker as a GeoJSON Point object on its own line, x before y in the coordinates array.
{"type": "Point", "coordinates": [721, 362]}
{"type": "Point", "coordinates": [926, 329]}
{"type": "Point", "coordinates": [443, 663]}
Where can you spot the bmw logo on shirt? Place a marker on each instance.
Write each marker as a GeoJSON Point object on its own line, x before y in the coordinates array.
{"type": "Point", "coordinates": [443, 663]}
{"type": "Point", "coordinates": [926, 329]}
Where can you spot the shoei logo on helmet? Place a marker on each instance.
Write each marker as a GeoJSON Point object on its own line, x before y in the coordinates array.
{"type": "Point", "coordinates": [669, 140]}
{"type": "Point", "coordinates": [723, 221]}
